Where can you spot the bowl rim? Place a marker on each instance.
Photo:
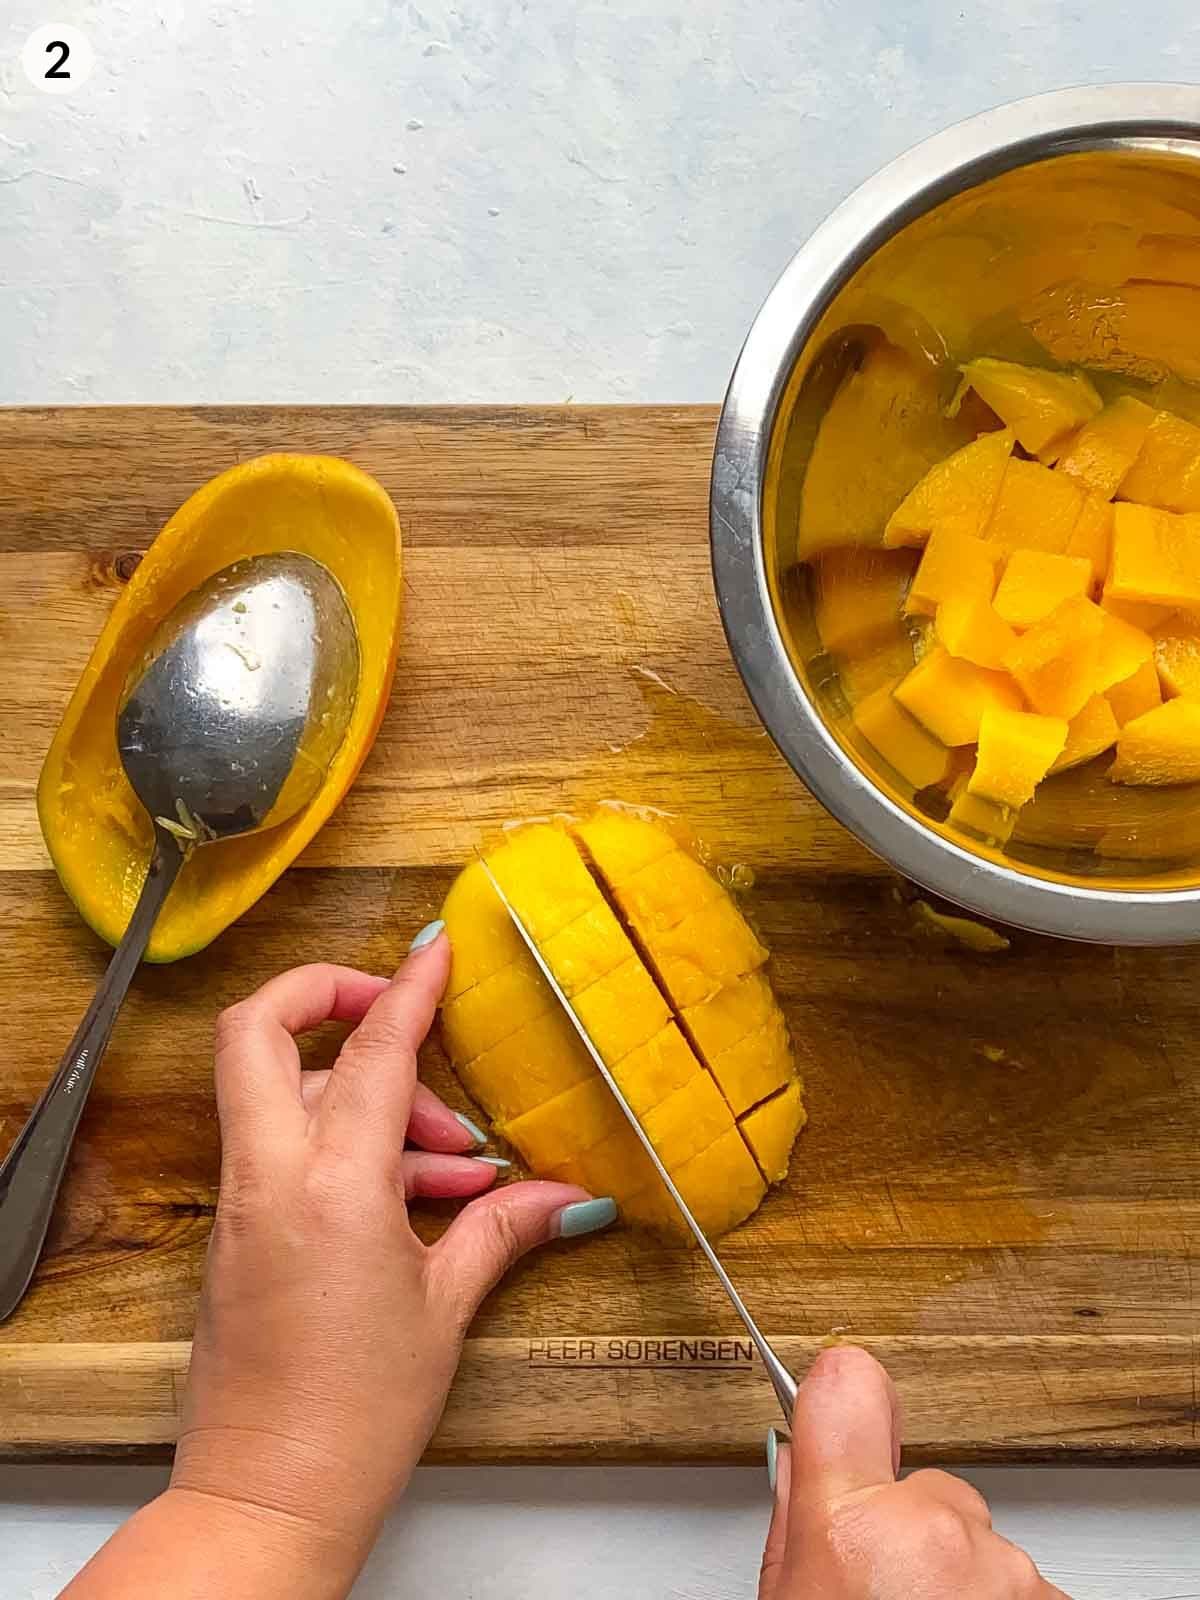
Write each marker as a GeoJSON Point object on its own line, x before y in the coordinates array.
{"type": "Point", "coordinates": [1163, 117]}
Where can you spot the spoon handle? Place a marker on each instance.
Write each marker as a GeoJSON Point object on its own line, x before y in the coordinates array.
{"type": "Point", "coordinates": [32, 1171]}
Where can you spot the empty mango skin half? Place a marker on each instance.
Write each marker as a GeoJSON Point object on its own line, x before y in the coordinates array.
{"type": "Point", "coordinates": [96, 831]}
{"type": "Point", "coordinates": [663, 971]}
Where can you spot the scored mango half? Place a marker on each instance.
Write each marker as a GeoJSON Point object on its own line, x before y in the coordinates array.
{"type": "Point", "coordinates": [666, 975]}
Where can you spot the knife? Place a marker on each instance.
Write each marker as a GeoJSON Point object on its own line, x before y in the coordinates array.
{"type": "Point", "coordinates": [781, 1379]}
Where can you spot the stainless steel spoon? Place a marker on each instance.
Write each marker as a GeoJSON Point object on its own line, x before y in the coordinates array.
{"type": "Point", "coordinates": [227, 724]}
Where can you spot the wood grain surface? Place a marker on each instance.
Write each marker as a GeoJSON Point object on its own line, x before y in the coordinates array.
{"type": "Point", "coordinates": [998, 1190]}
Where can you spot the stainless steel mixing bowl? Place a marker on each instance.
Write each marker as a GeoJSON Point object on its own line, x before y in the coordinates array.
{"type": "Point", "coordinates": [943, 243]}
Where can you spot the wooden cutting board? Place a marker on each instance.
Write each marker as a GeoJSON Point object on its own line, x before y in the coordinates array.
{"type": "Point", "coordinates": [999, 1191]}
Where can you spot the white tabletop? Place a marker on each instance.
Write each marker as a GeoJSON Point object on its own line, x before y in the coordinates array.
{"type": "Point", "coordinates": [374, 201]}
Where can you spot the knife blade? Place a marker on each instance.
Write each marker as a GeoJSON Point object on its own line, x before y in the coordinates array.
{"type": "Point", "coordinates": [781, 1379]}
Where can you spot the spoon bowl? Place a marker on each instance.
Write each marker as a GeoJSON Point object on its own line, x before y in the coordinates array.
{"type": "Point", "coordinates": [228, 723]}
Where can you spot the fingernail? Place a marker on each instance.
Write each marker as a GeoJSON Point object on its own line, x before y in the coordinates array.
{"type": "Point", "coordinates": [585, 1216]}
{"type": "Point", "coordinates": [772, 1456]}
{"type": "Point", "coordinates": [427, 935]}
{"type": "Point", "coordinates": [473, 1128]}
{"type": "Point", "coordinates": [492, 1161]}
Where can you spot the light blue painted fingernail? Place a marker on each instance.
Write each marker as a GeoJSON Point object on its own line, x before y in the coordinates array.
{"type": "Point", "coordinates": [492, 1161]}
{"type": "Point", "coordinates": [427, 935]}
{"type": "Point", "coordinates": [772, 1457]}
{"type": "Point", "coordinates": [585, 1216]}
{"type": "Point", "coordinates": [473, 1128]}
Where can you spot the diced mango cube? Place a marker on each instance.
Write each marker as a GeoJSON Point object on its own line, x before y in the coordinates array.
{"type": "Point", "coordinates": [1035, 583]}
{"type": "Point", "coordinates": [1177, 655]}
{"type": "Point", "coordinates": [739, 1008]}
{"type": "Point", "coordinates": [917, 756]}
{"type": "Point", "coordinates": [656, 1069]}
{"type": "Point", "coordinates": [883, 430]}
{"type": "Point", "coordinates": [1136, 612]}
{"type": "Point", "coordinates": [712, 947]}
{"type": "Point", "coordinates": [1166, 471]}
{"type": "Point", "coordinates": [721, 1187]}
{"type": "Point", "coordinates": [1016, 751]}
{"type": "Point", "coordinates": [973, 631]}
{"type": "Point", "coordinates": [1055, 663]}
{"type": "Point", "coordinates": [1089, 734]}
{"type": "Point", "coordinates": [948, 697]}
{"type": "Point", "coordinates": [1038, 406]}
{"type": "Point", "coordinates": [484, 1015]}
{"type": "Point", "coordinates": [662, 894]}
{"type": "Point", "coordinates": [993, 823]}
{"type": "Point", "coordinates": [756, 1066]}
{"type": "Point", "coordinates": [587, 949]}
{"type": "Point", "coordinates": [622, 1010]}
{"type": "Point", "coordinates": [566, 1126]}
{"type": "Point", "coordinates": [955, 496]}
{"type": "Point", "coordinates": [1091, 537]}
{"type": "Point", "coordinates": [1105, 448]}
{"type": "Point", "coordinates": [688, 1121]}
{"type": "Point", "coordinates": [542, 1059]}
{"type": "Point", "coordinates": [1155, 558]}
{"type": "Point", "coordinates": [1161, 746]}
{"type": "Point", "coordinates": [857, 595]}
{"type": "Point", "coordinates": [1037, 509]}
{"type": "Point", "coordinates": [621, 843]}
{"type": "Point", "coordinates": [542, 873]}
{"type": "Point", "coordinates": [860, 676]}
{"type": "Point", "coordinates": [953, 567]}
{"type": "Point", "coordinates": [484, 938]}
{"type": "Point", "coordinates": [771, 1128]}
{"type": "Point", "coordinates": [1138, 694]}
{"type": "Point", "coordinates": [1120, 650]}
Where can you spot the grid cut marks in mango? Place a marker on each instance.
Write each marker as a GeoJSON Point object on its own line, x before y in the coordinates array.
{"type": "Point", "coordinates": [539, 1061]}
{"type": "Point", "coordinates": [771, 1130]}
{"type": "Point", "coordinates": [487, 1013]}
{"type": "Point", "coordinates": [586, 950]}
{"type": "Point", "coordinates": [660, 896]}
{"type": "Point", "coordinates": [485, 939]}
{"type": "Point", "coordinates": [755, 1067]}
{"type": "Point", "coordinates": [620, 843]}
{"type": "Point", "coordinates": [542, 873]}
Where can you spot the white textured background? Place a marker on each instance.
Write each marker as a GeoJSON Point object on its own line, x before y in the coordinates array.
{"type": "Point", "coordinates": [370, 200]}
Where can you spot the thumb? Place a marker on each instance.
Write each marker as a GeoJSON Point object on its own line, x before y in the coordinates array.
{"type": "Point", "coordinates": [496, 1230]}
{"type": "Point", "coordinates": [845, 1431]}
{"type": "Point", "coordinates": [779, 1471]}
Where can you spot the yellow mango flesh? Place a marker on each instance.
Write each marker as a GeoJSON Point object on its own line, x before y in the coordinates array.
{"type": "Point", "coordinates": [486, 939]}
{"type": "Point", "coordinates": [722, 1181]}
{"type": "Point", "coordinates": [622, 1010]}
{"type": "Point", "coordinates": [953, 567]}
{"type": "Point", "coordinates": [1138, 613]}
{"type": "Point", "coordinates": [993, 823]}
{"type": "Point", "coordinates": [884, 428]}
{"type": "Point", "coordinates": [857, 595]}
{"type": "Point", "coordinates": [948, 697]}
{"type": "Point", "coordinates": [861, 675]}
{"type": "Point", "coordinates": [756, 1066]}
{"type": "Point", "coordinates": [1016, 751]}
{"type": "Point", "coordinates": [974, 631]}
{"type": "Point", "coordinates": [1091, 537]}
{"type": "Point", "coordinates": [1037, 509]}
{"type": "Point", "coordinates": [621, 843]}
{"type": "Point", "coordinates": [1177, 655]}
{"type": "Point", "coordinates": [1161, 746]}
{"type": "Point", "coordinates": [1155, 557]}
{"type": "Point", "coordinates": [1105, 449]}
{"type": "Point", "coordinates": [484, 1015]}
{"type": "Point", "coordinates": [956, 496]}
{"type": "Point", "coordinates": [710, 948]}
{"type": "Point", "coordinates": [739, 1008]}
{"type": "Point", "coordinates": [1035, 583]}
{"type": "Point", "coordinates": [1120, 650]}
{"type": "Point", "coordinates": [543, 875]}
{"type": "Point", "coordinates": [97, 833]}
{"type": "Point", "coordinates": [1055, 662]}
{"type": "Point", "coordinates": [1089, 734]}
{"type": "Point", "coordinates": [586, 950]}
{"type": "Point", "coordinates": [1039, 406]}
{"type": "Point", "coordinates": [904, 744]}
{"type": "Point", "coordinates": [537, 1062]}
{"type": "Point", "coordinates": [659, 896]}
{"type": "Point", "coordinates": [771, 1129]}
{"type": "Point", "coordinates": [1166, 471]}
{"type": "Point", "coordinates": [1137, 694]}
{"type": "Point", "coordinates": [518, 1055]}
